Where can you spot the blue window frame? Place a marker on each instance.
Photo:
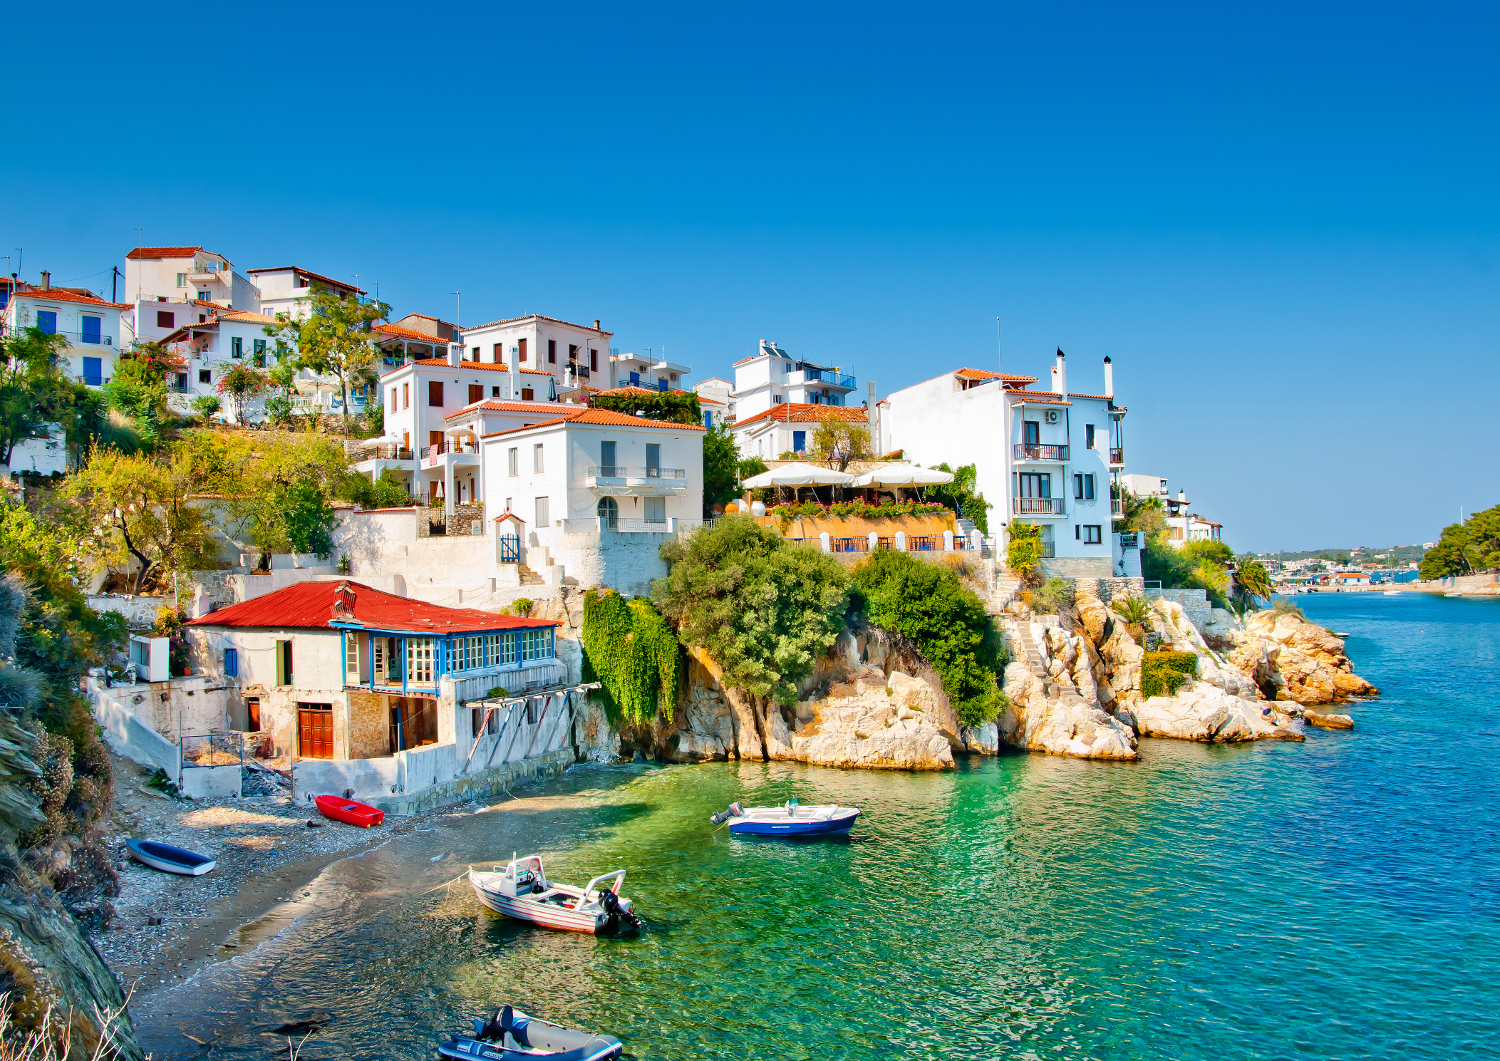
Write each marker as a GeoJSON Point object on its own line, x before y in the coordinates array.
{"type": "Point", "coordinates": [708, 420]}
{"type": "Point", "coordinates": [799, 441]}
{"type": "Point", "coordinates": [46, 320]}
{"type": "Point", "coordinates": [236, 347]}
{"type": "Point", "coordinates": [93, 371]}
{"type": "Point", "coordinates": [92, 330]}
{"type": "Point", "coordinates": [231, 663]}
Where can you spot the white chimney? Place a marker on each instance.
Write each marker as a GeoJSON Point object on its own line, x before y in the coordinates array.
{"type": "Point", "coordinates": [1109, 378]}
{"type": "Point", "coordinates": [1060, 375]}
{"type": "Point", "coordinates": [515, 368]}
{"type": "Point", "coordinates": [763, 345]}
{"type": "Point", "coordinates": [1182, 497]}
{"type": "Point", "coordinates": [455, 354]}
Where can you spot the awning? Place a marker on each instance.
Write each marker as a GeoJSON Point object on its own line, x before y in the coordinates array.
{"type": "Point", "coordinates": [799, 473]}
{"type": "Point", "coordinates": [903, 475]}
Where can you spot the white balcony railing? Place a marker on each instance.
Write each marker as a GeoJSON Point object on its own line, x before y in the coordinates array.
{"type": "Point", "coordinates": [1037, 506]}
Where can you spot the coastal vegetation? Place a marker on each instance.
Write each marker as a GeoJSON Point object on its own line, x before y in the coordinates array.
{"type": "Point", "coordinates": [1163, 673]}
{"type": "Point", "coordinates": [630, 650]}
{"type": "Point", "coordinates": [961, 496]}
{"type": "Point", "coordinates": [860, 509]}
{"type": "Point", "coordinates": [1466, 548]}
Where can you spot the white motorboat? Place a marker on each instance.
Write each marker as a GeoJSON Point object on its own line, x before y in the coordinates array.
{"type": "Point", "coordinates": [789, 819]}
{"type": "Point", "coordinates": [521, 890]}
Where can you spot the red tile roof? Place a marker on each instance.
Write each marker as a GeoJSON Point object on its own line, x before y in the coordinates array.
{"type": "Point", "coordinates": [398, 332]}
{"type": "Point", "coordinates": [981, 373]}
{"type": "Point", "coordinates": [308, 272]}
{"type": "Point", "coordinates": [806, 413]}
{"type": "Point", "coordinates": [1101, 397]}
{"type": "Point", "coordinates": [152, 253]}
{"type": "Point", "coordinates": [500, 405]}
{"type": "Point", "coordinates": [537, 317]}
{"type": "Point", "coordinates": [310, 606]}
{"type": "Point", "coordinates": [1037, 397]}
{"type": "Point", "coordinates": [442, 362]}
{"type": "Point", "coordinates": [604, 418]}
{"type": "Point", "coordinates": [57, 294]}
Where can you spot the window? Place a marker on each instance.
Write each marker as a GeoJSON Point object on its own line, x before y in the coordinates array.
{"type": "Point", "coordinates": [498, 353]}
{"type": "Point", "coordinates": [608, 511]}
{"type": "Point", "coordinates": [551, 351]}
{"type": "Point", "coordinates": [419, 660]}
{"type": "Point", "coordinates": [1036, 484]}
{"type": "Point", "coordinates": [435, 392]}
{"type": "Point", "coordinates": [91, 329]}
{"type": "Point", "coordinates": [351, 658]}
{"type": "Point", "coordinates": [708, 419]}
{"type": "Point", "coordinates": [205, 296]}
{"type": "Point", "coordinates": [572, 354]}
{"type": "Point", "coordinates": [543, 513]}
{"type": "Point", "coordinates": [536, 644]}
{"type": "Point", "coordinates": [205, 375]}
{"type": "Point", "coordinates": [231, 663]}
{"type": "Point", "coordinates": [799, 441]}
{"type": "Point", "coordinates": [260, 353]}
{"type": "Point", "coordinates": [165, 319]}
{"type": "Point", "coordinates": [252, 714]}
{"type": "Point", "coordinates": [1083, 487]}
{"type": "Point", "coordinates": [1093, 534]}
{"type": "Point", "coordinates": [181, 280]}
{"type": "Point", "coordinates": [46, 320]}
{"type": "Point", "coordinates": [656, 510]}
{"type": "Point", "coordinates": [607, 459]}
{"type": "Point", "coordinates": [283, 663]}
{"type": "Point", "coordinates": [522, 344]}
{"type": "Point", "coordinates": [474, 354]}
{"type": "Point", "coordinates": [93, 371]}
{"type": "Point", "coordinates": [514, 460]}
{"type": "Point", "coordinates": [527, 394]}
{"type": "Point", "coordinates": [1088, 436]}
{"type": "Point", "coordinates": [236, 347]}
{"type": "Point", "coordinates": [536, 458]}
{"type": "Point", "coordinates": [593, 361]}
{"type": "Point", "coordinates": [1031, 432]}
{"type": "Point", "coordinates": [434, 438]}
{"type": "Point", "coordinates": [393, 399]}
{"type": "Point", "coordinates": [476, 392]}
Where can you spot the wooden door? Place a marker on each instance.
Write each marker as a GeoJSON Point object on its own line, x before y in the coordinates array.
{"type": "Point", "coordinates": [315, 731]}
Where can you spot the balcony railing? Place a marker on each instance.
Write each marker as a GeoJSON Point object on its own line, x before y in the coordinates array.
{"type": "Point", "coordinates": [621, 471]}
{"type": "Point", "coordinates": [73, 338]}
{"type": "Point", "coordinates": [93, 381]}
{"type": "Point", "coordinates": [1037, 506]}
{"type": "Point", "coordinates": [826, 375]}
{"type": "Point", "coordinates": [1035, 451]}
{"type": "Point", "coordinates": [595, 524]}
{"type": "Point", "coordinates": [389, 451]}
{"type": "Point", "coordinates": [1116, 508]}
{"type": "Point", "coordinates": [1049, 551]}
{"type": "Point", "coordinates": [1116, 455]}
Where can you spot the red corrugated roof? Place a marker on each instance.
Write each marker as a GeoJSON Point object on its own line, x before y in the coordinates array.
{"type": "Point", "coordinates": [309, 606]}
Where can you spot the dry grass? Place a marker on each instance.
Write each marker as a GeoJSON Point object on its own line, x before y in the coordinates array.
{"type": "Point", "coordinates": [58, 1036]}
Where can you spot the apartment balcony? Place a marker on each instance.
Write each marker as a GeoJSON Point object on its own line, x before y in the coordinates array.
{"type": "Point", "coordinates": [1116, 457]}
{"type": "Point", "coordinates": [619, 480]}
{"type": "Point", "coordinates": [1037, 506]}
{"type": "Point", "coordinates": [440, 454]}
{"type": "Point", "coordinates": [814, 374]}
{"type": "Point", "coordinates": [1035, 451]}
{"type": "Point", "coordinates": [1116, 508]}
{"type": "Point", "coordinates": [86, 339]}
{"type": "Point", "coordinates": [371, 451]}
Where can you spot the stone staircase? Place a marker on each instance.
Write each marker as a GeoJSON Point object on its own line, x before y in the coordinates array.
{"type": "Point", "coordinates": [530, 577]}
{"type": "Point", "coordinates": [1021, 635]}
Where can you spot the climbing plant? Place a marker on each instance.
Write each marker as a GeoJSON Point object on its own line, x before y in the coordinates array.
{"type": "Point", "coordinates": [1025, 548]}
{"type": "Point", "coordinates": [629, 649]}
{"type": "Point", "coordinates": [677, 406]}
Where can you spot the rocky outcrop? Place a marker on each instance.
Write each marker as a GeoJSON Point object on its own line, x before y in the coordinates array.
{"type": "Point", "coordinates": [871, 720]}
{"type": "Point", "coordinates": [1049, 715]}
{"type": "Point", "coordinates": [1200, 712]}
{"type": "Point", "coordinates": [1289, 658]}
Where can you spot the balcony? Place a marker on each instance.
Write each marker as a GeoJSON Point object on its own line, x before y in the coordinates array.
{"type": "Point", "coordinates": [814, 374]}
{"type": "Point", "coordinates": [1037, 506]}
{"type": "Point", "coordinates": [450, 452]}
{"type": "Point", "coordinates": [617, 479]}
{"type": "Point", "coordinates": [1036, 451]}
{"type": "Point", "coordinates": [1116, 457]}
{"type": "Point", "coordinates": [1116, 508]}
{"type": "Point", "coordinates": [93, 380]}
{"type": "Point", "coordinates": [384, 451]}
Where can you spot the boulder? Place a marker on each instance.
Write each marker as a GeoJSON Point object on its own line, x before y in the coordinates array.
{"type": "Point", "coordinates": [869, 722]}
{"type": "Point", "coordinates": [1064, 724]}
{"type": "Point", "coordinates": [1313, 718]}
{"type": "Point", "coordinates": [1199, 712]}
{"type": "Point", "coordinates": [1289, 658]}
{"type": "Point", "coordinates": [1093, 616]}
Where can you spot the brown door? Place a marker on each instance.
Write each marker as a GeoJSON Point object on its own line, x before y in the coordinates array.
{"type": "Point", "coordinates": [252, 714]}
{"type": "Point", "coordinates": [315, 730]}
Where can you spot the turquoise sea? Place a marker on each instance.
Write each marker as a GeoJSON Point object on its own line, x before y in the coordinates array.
{"type": "Point", "coordinates": [1332, 899]}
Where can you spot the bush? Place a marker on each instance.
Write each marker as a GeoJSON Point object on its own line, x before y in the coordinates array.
{"type": "Point", "coordinates": [521, 606]}
{"type": "Point", "coordinates": [1163, 673]}
{"type": "Point", "coordinates": [385, 492]}
{"type": "Point", "coordinates": [763, 609]}
{"type": "Point", "coordinates": [676, 406]}
{"type": "Point", "coordinates": [1052, 597]}
{"type": "Point", "coordinates": [1024, 551]}
{"type": "Point", "coordinates": [857, 509]}
{"type": "Point", "coordinates": [1134, 610]}
{"type": "Point", "coordinates": [633, 655]}
{"type": "Point", "coordinates": [931, 607]}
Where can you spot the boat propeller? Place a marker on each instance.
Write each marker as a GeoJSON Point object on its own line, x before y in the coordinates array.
{"type": "Point", "coordinates": [617, 913]}
{"type": "Point", "coordinates": [734, 811]}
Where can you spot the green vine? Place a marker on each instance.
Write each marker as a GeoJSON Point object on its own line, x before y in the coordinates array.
{"type": "Point", "coordinates": [629, 649]}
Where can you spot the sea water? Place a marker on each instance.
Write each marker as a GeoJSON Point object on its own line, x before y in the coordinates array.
{"type": "Point", "coordinates": [1332, 899]}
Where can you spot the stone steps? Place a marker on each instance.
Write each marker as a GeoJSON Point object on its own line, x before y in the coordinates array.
{"type": "Point", "coordinates": [530, 577]}
{"type": "Point", "coordinates": [1030, 651]}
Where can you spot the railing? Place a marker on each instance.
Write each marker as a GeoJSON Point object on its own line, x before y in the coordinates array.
{"type": "Point", "coordinates": [1130, 539]}
{"type": "Point", "coordinates": [93, 381]}
{"type": "Point", "coordinates": [1049, 551]}
{"type": "Point", "coordinates": [1033, 451]}
{"type": "Point", "coordinates": [620, 471]}
{"type": "Point", "coordinates": [595, 524]}
{"type": "Point", "coordinates": [510, 549]}
{"type": "Point", "coordinates": [849, 545]}
{"type": "Point", "coordinates": [1116, 455]}
{"type": "Point", "coordinates": [922, 543]}
{"type": "Point", "coordinates": [74, 338]}
{"type": "Point", "coordinates": [1116, 508]}
{"type": "Point", "coordinates": [812, 374]}
{"type": "Point", "coordinates": [537, 674]}
{"type": "Point", "coordinates": [390, 451]}
{"type": "Point", "coordinates": [437, 449]}
{"type": "Point", "coordinates": [1037, 506]}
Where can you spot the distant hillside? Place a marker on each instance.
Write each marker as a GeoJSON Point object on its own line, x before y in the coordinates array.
{"type": "Point", "coordinates": [1390, 556]}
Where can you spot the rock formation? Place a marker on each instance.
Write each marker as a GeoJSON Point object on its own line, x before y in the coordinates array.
{"type": "Point", "coordinates": [1290, 658]}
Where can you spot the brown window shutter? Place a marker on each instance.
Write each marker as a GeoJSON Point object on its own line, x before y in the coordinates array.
{"type": "Point", "coordinates": [522, 345]}
{"type": "Point", "coordinates": [435, 392]}
{"type": "Point", "coordinates": [476, 392]}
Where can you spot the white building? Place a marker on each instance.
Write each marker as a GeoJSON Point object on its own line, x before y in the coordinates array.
{"type": "Point", "coordinates": [227, 337]}
{"type": "Point", "coordinates": [771, 377]}
{"type": "Point", "coordinates": [1182, 526]}
{"type": "Point", "coordinates": [643, 370]}
{"type": "Point", "coordinates": [719, 392]}
{"type": "Point", "coordinates": [185, 274]}
{"type": "Point", "coordinates": [1046, 457]}
{"type": "Point", "coordinates": [289, 289]}
{"type": "Point", "coordinates": [571, 353]}
{"type": "Point", "coordinates": [91, 326]}
{"type": "Point", "coordinates": [789, 428]}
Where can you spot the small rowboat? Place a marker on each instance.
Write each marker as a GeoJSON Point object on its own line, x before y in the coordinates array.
{"type": "Point", "coordinates": [348, 811]}
{"type": "Point", "coordinates": [170, 859]}
{"type": "Point", "coordinates": [514, 1036]}
{"type": "Point", "coordinates": [787, 820]}
{"type": "Point", "coordinates": [522, 891]}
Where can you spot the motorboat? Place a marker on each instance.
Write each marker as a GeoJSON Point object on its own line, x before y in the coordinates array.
{"type": "Point", "coordinates": [170, 859]}
{"type": "Point", "coordinates": [789, 819]}
{"type": "Point", "coordinates": [515, 1036]}
{"type": "Point", "coordinates": [521, 890]}
{"type": "Point", "coordinates": [1393, 593]}
{"type": "Point", "coordinates": [349, 811]}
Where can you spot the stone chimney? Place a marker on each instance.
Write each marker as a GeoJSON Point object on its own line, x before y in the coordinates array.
{"type": "Point", "coordinates": [596, 325]}
{"type": "Point", "coordinates": [1109, 378]}
{"type": "Point", "coordinates": [46, 280]}
{"type": "Point", "coordinates": [1060, 374]}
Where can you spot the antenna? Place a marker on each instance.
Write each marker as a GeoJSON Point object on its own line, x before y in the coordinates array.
{"type": "Point", "coordinates": [458, 309]}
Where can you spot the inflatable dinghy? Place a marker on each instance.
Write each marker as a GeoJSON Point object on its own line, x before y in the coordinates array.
{"type": "Point", "coordinates": [515, 1036]}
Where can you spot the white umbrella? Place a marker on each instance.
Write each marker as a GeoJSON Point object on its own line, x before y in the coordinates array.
{"type": "Point", "coordinates": [798, 473]}
{"type": "Point", "coordinates": [903, 475]}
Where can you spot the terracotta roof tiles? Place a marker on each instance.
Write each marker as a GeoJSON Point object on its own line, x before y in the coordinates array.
{"type": "Point", "coordinates": [805, 413]}
{"type": "Point", "coordinates": [154, 253]}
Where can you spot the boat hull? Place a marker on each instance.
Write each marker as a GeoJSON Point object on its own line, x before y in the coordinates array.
{"type": "Point", "coordinates": [548, 915]}
{"type": "Point", "coordinates": [170, 859]}
{"type": "Point", "coordinates": [348, 811]}
{"type": "Point", "coordinates": [793, 827]}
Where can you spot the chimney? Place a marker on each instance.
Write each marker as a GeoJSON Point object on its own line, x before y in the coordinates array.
{"type": "Point", "coordinates": [455, 354]}
{"type": "Point", "coordinates": [46, 280]}
{"type": "Point", "coordinates": [515, 369]}
{"type": "Point", "coordinates": [1182, 497]}
{"type": "Point", "coordinates": [763, 349]}
{"type": "Point", "coordinates": [1109, 378]}
{"type": "Point", "coordinates": [1060, 375]}
{"type": "Point", "coordinates": [596, 325]}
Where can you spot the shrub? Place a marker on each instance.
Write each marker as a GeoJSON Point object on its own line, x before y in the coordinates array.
{"type": "Point", "coordinates": [385, 492]}
{"type": "Point", "coordinates": [205, 405]}
{"type": "Point", "coordinates": [1134, 610]}
{"type": "Point", "coordinates": [1163, 673]}
{"type": "Point", "coordinates": [1053, 596]}
{"type": "Point", "coordinates": [763, 609]}
{"type": "Point", "coordinates": [678, 406]}
{"type": "Point", "coordinates": [1024, 550]}
{"type": "Point", "coordinates": [521, 606]}
{"type": "Point", "coordinates": [857, 509]}
{"type": "Point", "coordinates": [928, 605]}
{"type": "Point", "coordinates": [633, 655]}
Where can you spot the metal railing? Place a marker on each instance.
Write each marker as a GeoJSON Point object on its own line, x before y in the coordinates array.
{"type": "Point", "coordinates": [849, 545]}
{"type": "Point", "coordinates": [93, 381]}
{"type": "Point", "coordinates": [1037, 506]}
{"type": "Point", "coordinates": [621, 471]}
{"type": "Point", "coordinates": [1049, 551]}
{"type": "Point", "coordinates": [74, 338]}
{"type": "Point", "coordinates": [1130, 539]}
{"type": "Point", "coordinates": [1116, 455]}
{"type": "Point", "coordinates": [437, 449]}
{"type": "Point", "coordinates": [811, 374]}
{"type": "Point", "coordinates": [1035, 451]}
{"type": "Point", "coordinates": [1116, 507]}
{"type": "Point", "coordinates": [595, 524]}
{"type": "Point", "coordinates": [364, 451]}
{"type": "Point", "coordinates": [922, 543]}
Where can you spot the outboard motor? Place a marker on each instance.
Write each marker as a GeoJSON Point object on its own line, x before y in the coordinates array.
{"type": "Point", "coordinates": [734, 811]}
{"type": "Point", "coordinates": [617, 913]}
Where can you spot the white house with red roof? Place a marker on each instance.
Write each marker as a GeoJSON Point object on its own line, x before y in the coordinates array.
{"type": "Point", "coordinates": [187, 274]}
{"type": "Point", "coordinates": [219, 339]}
{"type": "Point", "coordinates": [383, 694]}
{"type": "Point", "coordinates": [771, 377]}
{"type": "Point", "coordinates": [572, 354]}
{"type": "Point", "coordinates": [789, 428]}
{"type": "Point", "coordinates": [90, 324]}
{"type": "Point", "coordinates": [1044, 456]}
{"type": "Point", "coordinates": [289, 289]}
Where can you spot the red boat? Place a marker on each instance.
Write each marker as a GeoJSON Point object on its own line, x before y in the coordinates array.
{"type": "Point", "coordinates": [348, 811]}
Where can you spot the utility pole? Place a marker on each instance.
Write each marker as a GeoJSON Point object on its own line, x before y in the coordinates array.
{"type": "Point", "coordinates": [114, 282]}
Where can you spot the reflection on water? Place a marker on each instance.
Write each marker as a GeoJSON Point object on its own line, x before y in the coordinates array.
{"type": "Point", "coordinates": [1333, 899]}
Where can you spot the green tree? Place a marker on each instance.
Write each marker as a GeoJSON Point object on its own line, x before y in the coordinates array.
{"type": "Point", "coordinates": [276, 485]}
{"type": "Point", "coordinates": [138, 391]}
{"type": "Point", "coordinates": [765, 611]}
{"type": "Point", "coordinates": [34, 393]}
{"type": "Point", "coordinates": [929, 605]}
{"type": "Point", "coordinates": [962, 496]}
{"type": "Point", "coordinates": [1023, 551]}
{"type": "Point", "coordinates": [335, 339]}
{"type": "Point", "coordinates": [678, 407]}
{"type": "Point", "coordinates": [1465, 548]}
{"type": "Point", "coordinates": [629, 649]}
{"type": "Point", "coordinates": [238, 384]}
{"type": "Point", "coordinates": [721, 468]}
{"type": "Point", "coordinates": [838, 441]}
{"type": "Point", "coordinates": [1251, 582]}
{"type": "Point", "coordinates": [385, 492]}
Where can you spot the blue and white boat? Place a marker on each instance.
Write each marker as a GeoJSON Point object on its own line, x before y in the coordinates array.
{"type": "Point", "coordinates": [789, 819]}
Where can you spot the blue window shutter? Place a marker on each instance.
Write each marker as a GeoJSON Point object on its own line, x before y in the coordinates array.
{"type": "Point", "coordinates": [46, 320]}
{"type": "Point", "coordinates": [92, 329]}
{"type": "Point", "coordinates": [661, 384]}
{"type": "Point", "coordinates": [231, 663]}
{"type": "Point", "coordinates": [799, 441]}
{"type": "Point", "coordinates": [708, 420]}
{"type": "Point", "coordinates": [93, 371]}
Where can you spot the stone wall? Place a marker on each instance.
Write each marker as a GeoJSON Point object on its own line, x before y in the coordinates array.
{"type": "Point", "coordinates": [1107, 589]}
{"type": "Point", "coordinates": [369, 726]}
{"type": "Point", "coordinates": [1193, 601]}
{"type": "Point", "coordinates": [464, 518]}
{"type": "Point", "coordinates": [1097, 567]}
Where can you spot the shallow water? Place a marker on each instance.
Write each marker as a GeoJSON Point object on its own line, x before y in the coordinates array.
{"type": "Point", "coordinates": [1329, 899]}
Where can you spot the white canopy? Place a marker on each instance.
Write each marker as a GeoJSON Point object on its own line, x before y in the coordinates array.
{"type": "Point", "coordinates": [799, 473]}
{"type": "Point", "coordinates": [903, 475]}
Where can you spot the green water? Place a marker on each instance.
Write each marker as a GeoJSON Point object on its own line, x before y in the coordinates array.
{"type": "Point", "coordinates": [1330, 899]}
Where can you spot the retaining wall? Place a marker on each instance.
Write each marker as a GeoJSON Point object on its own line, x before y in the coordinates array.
{"type": "Point", "coordinates": [1194, 602]}
{"type": "Point", "coordinates": [482, 784]}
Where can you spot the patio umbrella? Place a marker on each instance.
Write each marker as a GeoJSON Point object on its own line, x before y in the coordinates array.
{"type": "Point", "coordinates": [799, 473]}
{"type": "Point", "coordinates": [903, 475]}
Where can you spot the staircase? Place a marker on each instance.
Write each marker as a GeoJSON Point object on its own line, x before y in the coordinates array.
{"type": "Point", "coordinates": [530, 577]}
{"type": "Point", "coordinates": [1028, 649]}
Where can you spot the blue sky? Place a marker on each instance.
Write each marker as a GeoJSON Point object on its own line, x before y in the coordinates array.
{"type": "Point", "coordinates": [1280, 221]}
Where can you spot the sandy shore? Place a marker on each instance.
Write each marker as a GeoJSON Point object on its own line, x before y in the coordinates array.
{"type": "Point", "coordinates": [166, 925]}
